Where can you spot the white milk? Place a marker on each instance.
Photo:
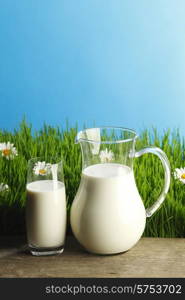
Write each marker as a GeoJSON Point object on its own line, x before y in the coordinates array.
{"type": "Point", "coordinates": [46, 213]}
{"type": "Point", "coordinates": [107, 214]}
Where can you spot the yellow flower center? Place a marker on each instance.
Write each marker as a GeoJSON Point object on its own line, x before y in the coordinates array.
{"type": "Point", "coordinates": [42, 171]}
{"type": "Point", "coordinates": [183, 176]}
{"type": "Point", "coordinates": [6, 152]}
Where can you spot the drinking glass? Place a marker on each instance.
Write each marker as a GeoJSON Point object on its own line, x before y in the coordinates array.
{"type": "Point", "coordinates": [45, 206]}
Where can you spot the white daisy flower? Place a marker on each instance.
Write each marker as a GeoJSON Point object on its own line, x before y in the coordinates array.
{"type": "Point", "coordinates": [8, 150]}
{"type": "Point", "coordinates": [42, 168]}
{"type": "Point", "coordinates": [180, 174]}
{"type": "Point", "coordinates": [106, 156]}
{"type": "Point", "coordinates": [3, 187]}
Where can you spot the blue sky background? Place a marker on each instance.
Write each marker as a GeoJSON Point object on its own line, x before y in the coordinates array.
{"type": "Point", "coordinates": [108, 62]}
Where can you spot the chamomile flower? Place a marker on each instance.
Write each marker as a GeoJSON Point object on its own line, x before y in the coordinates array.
{"type": "Point", "coordinates": [3, 187]}
{"type": "Point", "coordinates": [106, 156]}
{"type": "Point", "coordinates": [180, 174]}
{"type": "Point", "coordinates": [8, 150]}
{"type": "Point", "coordinates": [42, 168]}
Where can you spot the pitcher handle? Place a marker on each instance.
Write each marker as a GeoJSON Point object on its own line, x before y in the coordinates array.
{"type": "Point", "coordinates": [166, 165]}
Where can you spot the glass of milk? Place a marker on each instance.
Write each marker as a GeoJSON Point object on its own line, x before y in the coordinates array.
{"type": "Point", "coordinates": [45, 206]}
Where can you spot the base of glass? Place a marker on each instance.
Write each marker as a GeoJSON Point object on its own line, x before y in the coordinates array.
{"type": "Point", "coordinates": [43, 251]}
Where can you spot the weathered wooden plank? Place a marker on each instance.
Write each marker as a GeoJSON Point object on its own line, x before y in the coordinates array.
{"type": "Point", "coordinates": [151, 257]}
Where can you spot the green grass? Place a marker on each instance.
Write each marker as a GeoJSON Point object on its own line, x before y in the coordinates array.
{"type": "Point", "coordinates": [168, 221]}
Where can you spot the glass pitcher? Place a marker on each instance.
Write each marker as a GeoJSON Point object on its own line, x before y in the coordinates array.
{"type": "Point", "coordinates": [107, 214]}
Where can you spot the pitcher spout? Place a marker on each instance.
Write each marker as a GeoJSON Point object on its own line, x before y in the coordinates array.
{"type": "Point", "coordinates": [91, 135]}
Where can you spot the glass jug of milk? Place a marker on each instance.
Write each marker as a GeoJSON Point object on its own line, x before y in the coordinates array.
{"type": "Point", "coordinates": [107, 214]}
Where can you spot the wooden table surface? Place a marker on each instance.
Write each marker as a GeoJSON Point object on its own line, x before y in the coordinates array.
{"type": "Point", "coordinates": [151, 257]}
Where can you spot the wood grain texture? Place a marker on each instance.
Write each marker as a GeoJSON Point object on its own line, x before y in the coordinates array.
{"type": "Point", "coordinates": [151, 257]}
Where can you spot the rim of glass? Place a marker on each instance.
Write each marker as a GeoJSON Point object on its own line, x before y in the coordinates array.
{"type": "Point", "coordinates": [54, 159]}
{"type": "Point", "coordinates": [78, 139]}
